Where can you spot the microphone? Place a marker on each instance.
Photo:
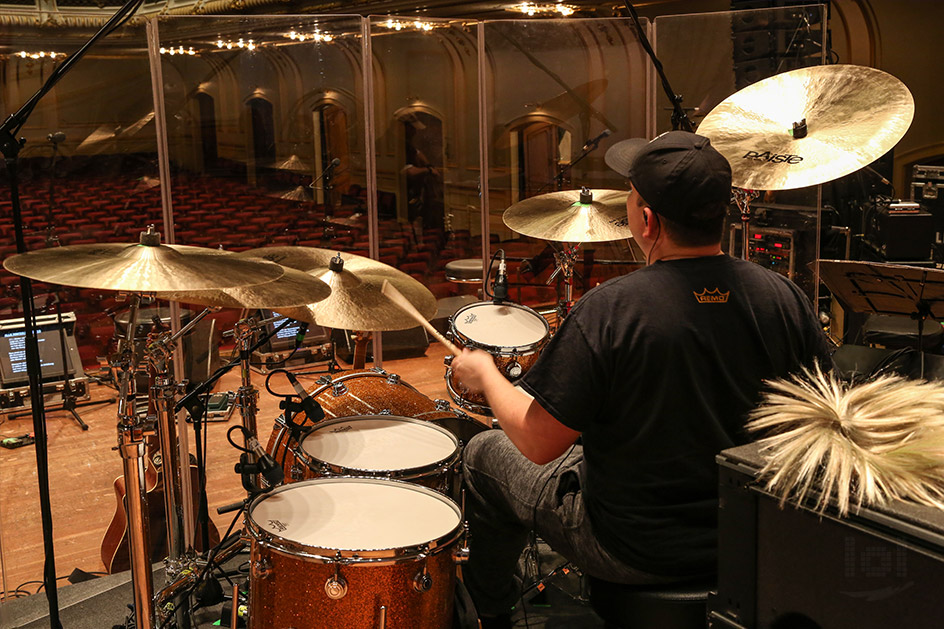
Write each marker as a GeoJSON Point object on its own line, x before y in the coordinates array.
{"type": "Point", "coordinates": [500, 287]}
{"type": "Point", "coordinates": [300, 335]}
{"type": "Point", "coordinates": [326, 174]}
{"type": "Point", "coordinates": [56, 137]}
{"type": "Point", "coordinates": [270, 470]}
{"type": "Point", "coordinates": [595, 142]}
{"type": "Point", "coordinates": [313, 410]}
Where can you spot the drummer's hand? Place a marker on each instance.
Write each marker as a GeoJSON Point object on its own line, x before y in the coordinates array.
{"type": "Point", "coordinates": [472, 368]}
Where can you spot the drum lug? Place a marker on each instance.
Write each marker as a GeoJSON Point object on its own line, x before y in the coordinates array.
{"type": "Point", "coordinates": [261, 568]}
{"type": "Point", "coordinates": [336, 586]}
{"type": "Point", "coordinates": [379, 370]}
{"type": "Point", "coordinates": [513, 369]}
{"type": "Point", "coordinates": [385, 411]}
{"type": "Point", "coordinates": [460, 556]}
{"type": "Point", "coordinates": [393, 378]}
{"type": "Point", "coordinates": [297, 472]}
{"type": "Point", "coordinates": [324, 380]}
{"type": "Point", "coordinates": [338, 389]}
{"type": "Point", "coordinates": [447, 360]}
{"type": "Point", "coordinates": [422, 582]}
{"type": "Point", "coordinates": [441, 405]}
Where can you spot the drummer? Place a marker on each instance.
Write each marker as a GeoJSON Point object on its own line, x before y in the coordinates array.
{"type": "Point", "coordinates": [655, 372]}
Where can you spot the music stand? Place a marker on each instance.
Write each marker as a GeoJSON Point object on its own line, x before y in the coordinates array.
{"type": "Point", "coordinates": [887, 289]}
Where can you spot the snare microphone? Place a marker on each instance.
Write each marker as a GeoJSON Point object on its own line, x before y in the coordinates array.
{"type": "Point", "coordinates": [500, 287]}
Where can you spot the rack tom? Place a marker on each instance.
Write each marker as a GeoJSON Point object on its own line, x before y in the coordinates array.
{"type": "Point", "coordinates": [513, 334]}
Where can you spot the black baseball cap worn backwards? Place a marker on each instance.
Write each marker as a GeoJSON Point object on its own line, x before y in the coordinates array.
{"type": "Point", "coordinates": [679, 173]}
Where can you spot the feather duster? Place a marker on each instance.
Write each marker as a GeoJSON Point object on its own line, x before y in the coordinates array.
{"type": "Point", "coordinates": [864, 444]}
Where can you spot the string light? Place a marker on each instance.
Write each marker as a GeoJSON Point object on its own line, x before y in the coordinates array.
{"type": "Point", "coordinates": [246, 44]}
{"type": "Point", "coordinates": [532, 8]}
{"type": "Point", "coordinates": [179, 50]}
{"type": "Point", "coordinates": [317, 36]}
{"type": "Point", "coordinates": [42, 54]}
{"type": "Point", "coordinates": [397, 25]}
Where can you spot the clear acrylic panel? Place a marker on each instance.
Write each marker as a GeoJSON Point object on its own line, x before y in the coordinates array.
{"type": "Point", "coordinates": [710, 56]}
{"type": "Point", "coordinates": [425, 99]}
{"type": "Point", "coordinates": [265, 130]}
{"type": "Point", "coordinates": [552, 87]}
{"type": "Point", "coordinates": [91, 143]}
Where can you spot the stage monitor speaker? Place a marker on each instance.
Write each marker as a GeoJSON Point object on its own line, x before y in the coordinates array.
{"type": "Point", "coordinates": [793, 568]}
{"type": "Point", "coordinates": [398, 344]}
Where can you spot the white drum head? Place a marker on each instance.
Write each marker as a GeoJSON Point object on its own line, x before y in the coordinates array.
{"type": "Point", "coordinates": [379, 443]}
{"type": "Point", "coordinates": [356, 514]}
{"type": "Point", "coordinates": [500, 325]}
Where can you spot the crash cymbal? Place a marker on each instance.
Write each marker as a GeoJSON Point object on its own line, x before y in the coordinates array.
{"type": "Point", "coordinates": [294, 288]}
{"type": "Point", "coordinates": [145, 267]}
{"type": "Point", "coordinates": [356, 301]}
{"type": "Point", "coordinates": [852, 114]}
{"type": "Point", "coordinates": [571, 216]}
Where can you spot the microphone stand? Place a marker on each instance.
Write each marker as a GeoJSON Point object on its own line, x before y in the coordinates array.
{"type": "Point", "coordinates": [680, 119]}
{"type": "Point", "coordinates": [10, 147]}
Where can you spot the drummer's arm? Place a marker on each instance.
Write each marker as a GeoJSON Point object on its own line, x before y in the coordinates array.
{"type": "Point", "coordinates": [534, 431]}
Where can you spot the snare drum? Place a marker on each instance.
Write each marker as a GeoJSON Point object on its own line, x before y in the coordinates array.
{"type": "Point", "coordinates": [513, 334]}
{"type": "Point", "coordinates": [350, 553]}
{"type": "Point", "coordinates": [385, 446]}
{"type": "Point", "coordinates": [370, 392]}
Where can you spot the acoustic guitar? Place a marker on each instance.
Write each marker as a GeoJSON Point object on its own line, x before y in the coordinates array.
{"type": "Point", "coordinates": [116, 549]}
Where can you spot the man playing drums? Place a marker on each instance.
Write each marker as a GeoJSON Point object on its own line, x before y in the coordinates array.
{"type": "Point", "coordinates": [655, 372]}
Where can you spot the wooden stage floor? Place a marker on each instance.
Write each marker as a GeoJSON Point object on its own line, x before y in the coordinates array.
{"type": "Point", "coordinates": [83, 466]}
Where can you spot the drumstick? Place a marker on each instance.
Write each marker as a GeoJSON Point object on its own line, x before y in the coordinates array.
{"type": "Point", "coordinates": [397, 298]}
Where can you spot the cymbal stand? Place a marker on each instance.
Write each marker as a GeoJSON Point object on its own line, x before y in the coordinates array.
{"type": "Point", "coordinates": [742, 199]}
{"type": "Point", "coordinates": [565, 260]}
{"type": "Point", "coordinates": [132, 433]}
{"type": "Point", "coordinates": [164, 391]}
{"type": "Point", "coordinates": [247, 396]}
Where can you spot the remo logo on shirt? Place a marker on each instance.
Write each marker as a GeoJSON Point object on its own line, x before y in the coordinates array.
{"type": "Point", "coordinates": [712, 296]}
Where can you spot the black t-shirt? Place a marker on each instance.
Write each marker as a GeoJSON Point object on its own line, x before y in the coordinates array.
{"type": "Point", "coordinates": [658, 370]}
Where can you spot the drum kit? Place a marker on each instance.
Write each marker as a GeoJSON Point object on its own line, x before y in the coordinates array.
{"type": "Point", "coordinates": [366, 529]}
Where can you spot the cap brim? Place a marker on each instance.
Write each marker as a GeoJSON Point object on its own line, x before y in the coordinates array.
{"type": "Point", "coordinates": [620, 156]}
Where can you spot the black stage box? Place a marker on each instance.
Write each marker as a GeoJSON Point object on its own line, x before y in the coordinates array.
{"type": "Point", "coordinates": [792, 568]}
{"type": "Point", "coordinates": [901, 231]}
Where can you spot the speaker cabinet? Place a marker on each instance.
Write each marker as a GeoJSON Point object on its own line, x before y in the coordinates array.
{"type": "Point", "coordinates": [793, 568]}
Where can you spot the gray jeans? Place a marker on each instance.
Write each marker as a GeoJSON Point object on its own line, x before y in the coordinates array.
{"type": "Point", "coordinates": [508, 496]}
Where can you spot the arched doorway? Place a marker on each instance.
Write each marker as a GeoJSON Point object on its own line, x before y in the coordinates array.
{"type": "Point", "coordinates": [331, 142]}
{"type": "Point", "coordinates": [263, 131]}
{"type": "Point", "coordinates": [208, 141]}
{"type": "Point", "coordinates": [541, 152]}
{"type": "Point", "coordinates": [423, 169]}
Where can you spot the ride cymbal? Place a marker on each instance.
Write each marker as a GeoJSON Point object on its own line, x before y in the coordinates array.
{"type": "Point", "coordinates": [571, 216]}
{"type": "Point", "coordinates": [146, 267]}
{"type": "Point", "coordinates": [845, 117]}
{"type": "Point", "coordinates": [356, 301]}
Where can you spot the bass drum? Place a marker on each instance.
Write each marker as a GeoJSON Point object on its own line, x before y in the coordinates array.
{"type": "Point", "coordinates": [350, 553]}
{"type": "Point", "coordinates": [370, 392]}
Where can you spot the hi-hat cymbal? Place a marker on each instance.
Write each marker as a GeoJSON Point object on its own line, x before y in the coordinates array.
{"type": "Point", "coordinates": [146, 267]}
{"type": "Point", "coordinates": [571, 216]}
{"type": "Point", "coordinates": [356, 301]}
{"type": "Point", "coordinates": [293, 289]}
{"type": "Point", "coordinates": [853, 116]}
